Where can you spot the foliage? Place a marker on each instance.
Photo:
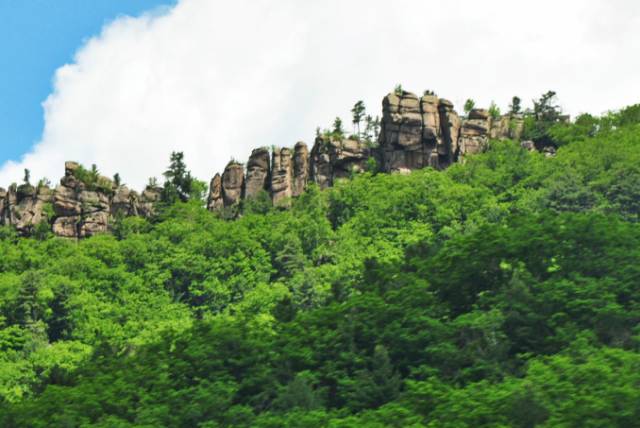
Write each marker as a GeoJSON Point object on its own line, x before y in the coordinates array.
{"type": "Point", "coordinates": [494, 110]}
{"type": "Point", "coordinates": [92, 179]}
{"type": "Point", "coordinates": [503, 291]}
{"type": "Point", "coordinates": [469, 104]}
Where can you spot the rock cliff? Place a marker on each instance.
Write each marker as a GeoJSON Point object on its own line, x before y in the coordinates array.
{"type": "Point", "coordinates": [416, 132]}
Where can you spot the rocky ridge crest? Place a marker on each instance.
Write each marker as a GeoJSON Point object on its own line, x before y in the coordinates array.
{"type": "Point", "coordinates": [416, 132]}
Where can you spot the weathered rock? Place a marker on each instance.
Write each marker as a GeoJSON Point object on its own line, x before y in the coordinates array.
{"type": "Point", "coordinates": [66, 227]}
{"type": "Point", "coordinates": [281, 177]}
{"type": "Point", "coordinates": [3, 197]}
{"type": "Point", "coordinates": [348, 157]}
{"type": "Point", "coordinates": [65, 202]}
{"type": "Point", "coordinates": [124, 202]}
{"type": "Point", "coordinates": [148, 199]}
{"type": "Point", "coordinates": [24, 207]}
{"type": "Point", "coordinates": [320, 167]}
{"type": "Point", "coordinates": [257, 173]}
{"type": "Point", "coordinates": [93, 201]}
{"type": "Point", "coordinates": [450, 128]}
{"type": "Point", "coordinates": [474, 134]}
{"type": "Point", "coordinates": [300, 168]}
{"type": "Point", "coordinates": [215, 201]}
{"type": "Point", "coordinates": [232, 183]}
{"type": "Point", "coordinates": [94, 223]}
{"type": "Point", "coordinates": [416, 133]}
{"type": "Point", "coordinates": [528, 145]}
{"type": "Point", "coordinates": [507, 127]}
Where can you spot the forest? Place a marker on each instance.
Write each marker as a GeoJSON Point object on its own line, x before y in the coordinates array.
{"type": "Point", "coordinates": [503, 291]}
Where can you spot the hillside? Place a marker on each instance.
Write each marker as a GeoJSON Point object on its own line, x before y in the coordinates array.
{"type": "Point", "coordinates": [503, 290]}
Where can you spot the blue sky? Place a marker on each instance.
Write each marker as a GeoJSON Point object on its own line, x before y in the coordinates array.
{"type": "Point", "coordinates": [37, 37]}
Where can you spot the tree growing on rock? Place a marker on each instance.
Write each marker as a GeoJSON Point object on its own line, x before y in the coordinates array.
{"type": "Point", "coordinates": [338, 130]}
{"type": "Point", "coordinates": [358, 112]}
{"type": "Point", "coordinates": [27, 177]}
{"type": "Point", "coordinates": [515, 106]}
{"type": "Point", "coordinates": [494, 110]}
{"type": "Point", "coordinates": [469, 105]}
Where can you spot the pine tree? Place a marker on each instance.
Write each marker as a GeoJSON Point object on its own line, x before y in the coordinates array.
{"type": "Point", "coordinates": [358, 112]}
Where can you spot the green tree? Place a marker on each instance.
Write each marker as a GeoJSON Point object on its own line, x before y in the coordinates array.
{"type": "Point", "coordinates": [515, 106]}
{"type": "Point", "coordinates": [179, 182]}
{"type": "Point", "coordinates": [494, 110]}
{"type": "Point", "coordinates": [469, 105]}
{"type": "Point", "coordinates": [358, 112]}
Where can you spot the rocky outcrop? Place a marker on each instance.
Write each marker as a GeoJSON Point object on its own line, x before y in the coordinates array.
{"type": "Point", "coordinates": [300, 168]}
{"type": "Point", "coordinates": [232, 183]}
{"type": "Point", "coordinates": [74, 209]}
{"type": "Point", "coordinates": [23, 207]}
{"type": "Point", "coordinates": [417, 132]}
{"type": "Point", "coordinates": [281, 177]}
{"type": "Point", "coordinates": [334, 159]}
{"type": "Point", "coordinates": [81, 210]}
{"type": "Point", "coordinates": [450, 130]}
{"type": "Point", "coordinates": [214, 201]}
{"type": "Point", "coordinates": [474, 134]}
{"type": "Point", "coordinates": [258, 168]}
{"type": "Point", "coordinates": [509, 126]}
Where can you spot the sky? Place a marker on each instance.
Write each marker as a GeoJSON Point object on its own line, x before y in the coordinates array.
{"type": "Point", "coordinates": [123, 83]}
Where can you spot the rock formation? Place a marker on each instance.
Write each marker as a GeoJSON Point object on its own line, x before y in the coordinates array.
{"type": "Point", "coordinates": [415, 132]}
{"type": "Point", "coordinates": [214, 201]}
{"type": "Point", "coordinates": [232, 183]}
{"type": "Point", "coordinates": [300, 168]}
{"type": "Point", "coordinates": [258, 168]}
{"type": "Point", "coordinates": [474, 134]}
{"type": "Point", "coordinates": [281, 177]}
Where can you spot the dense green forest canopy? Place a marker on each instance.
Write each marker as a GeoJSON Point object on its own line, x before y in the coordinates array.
{"type": "Point", "coordinates": [504, 291]}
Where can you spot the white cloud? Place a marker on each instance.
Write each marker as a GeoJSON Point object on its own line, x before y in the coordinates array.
{"type": "Point", "coordinates": [215, 79]}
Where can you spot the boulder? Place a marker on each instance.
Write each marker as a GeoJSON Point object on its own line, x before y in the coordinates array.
{"type": "Point", "coordinates": [257, 178]}
{"type": "Point", "coordinates": [214, 201]}
{"type": "Point", "coordinates": [300, 168]}
{"type": "Point", "coordinates": [281, 177]}
{"type": "Point", "coordinates": [232, 183]}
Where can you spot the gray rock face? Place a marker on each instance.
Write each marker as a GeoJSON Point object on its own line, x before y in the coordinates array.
{"type": "Point", "coordinates": [450, 128]}
{"type": "Point", "coordinates": [332, 160]}
{"type": "Point", "coordinates": [508, 126]}
{"type": "Point", "coordinates": [148, 200]}
{"type": "Point", "coordinates": [320, 168]}
{"type": "Point", "coordinates": [124, 202]}
{"type": "Point", "coordinates": [23, 207]}
{"type": "Point", "coordinates": [232, 183]}
{"type": "Point", "coordinates": [214, 201]}
{"type": "Point", "coordinates": [257, 178]}
{"type": "Point", "coordinates": [281, 177]}
{"type": "Point", "coordinates": [474, 134]}
{"type": "Point", "coordinates": [3, 196]}
{"type": "Point", "coordinates": [300, 168]}
{"type": "Point", "coordinates": [417, 132]}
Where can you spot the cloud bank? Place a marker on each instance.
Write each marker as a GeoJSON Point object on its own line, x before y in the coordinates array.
{"type": "Point", "coordinates": [215, 79]}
